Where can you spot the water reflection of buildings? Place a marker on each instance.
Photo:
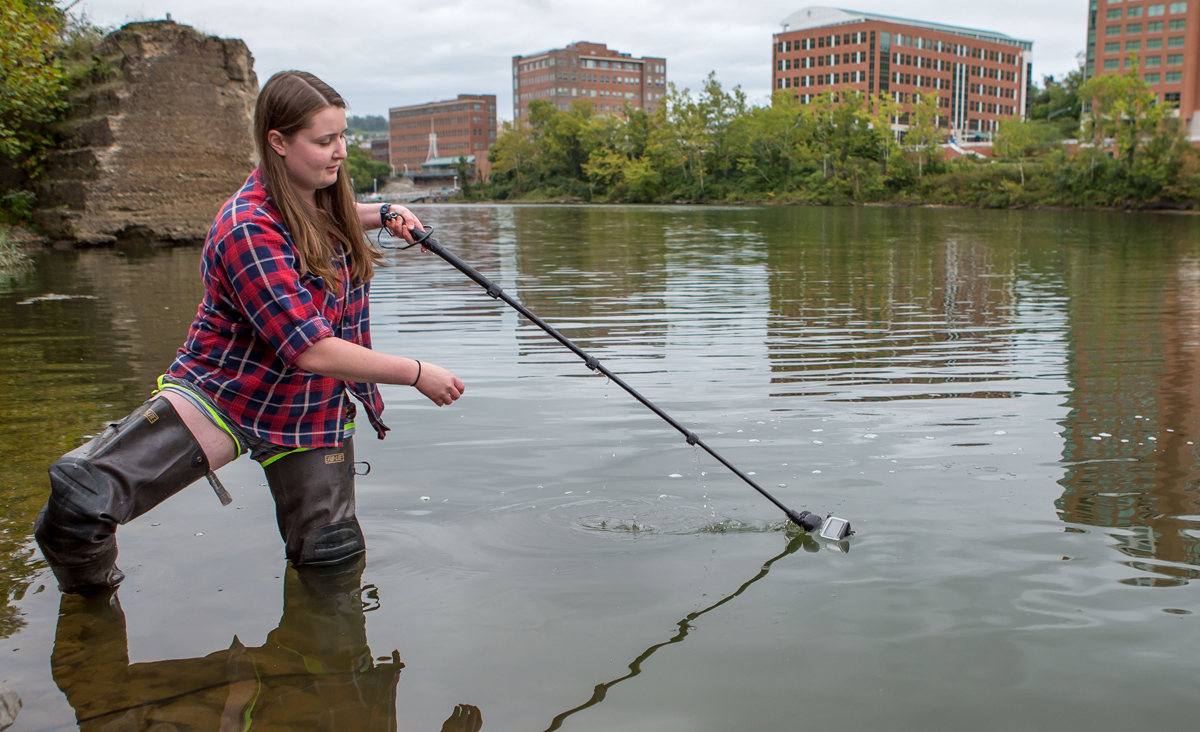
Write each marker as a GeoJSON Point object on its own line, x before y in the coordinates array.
{"type": "Point", "coordinates": [417, 292]}
{"type": "Point", "coordinates": [1135, 408]}
{"type": "Point", "coordinates": [614, 268]}
{"type": "Point", "coordinates": [873, 308]}
{"type": "Point", "coordinates": [890, 308]}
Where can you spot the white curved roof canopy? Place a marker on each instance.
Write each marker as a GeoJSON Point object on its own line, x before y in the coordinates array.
{"type": "Point", "coordinates": [818, 17]}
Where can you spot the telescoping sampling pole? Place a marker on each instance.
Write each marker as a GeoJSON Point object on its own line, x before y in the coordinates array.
{"type": "Point", "coordinates": [829, 527]}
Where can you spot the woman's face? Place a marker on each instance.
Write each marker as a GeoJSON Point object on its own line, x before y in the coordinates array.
{"type": "Point", "coordinates": [313, 155]}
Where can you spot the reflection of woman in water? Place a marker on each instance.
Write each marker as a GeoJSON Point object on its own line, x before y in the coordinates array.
{"type": "Point", "coordinates": [282, 335]}
{"type": "Point", "coordinates": [315, 671]}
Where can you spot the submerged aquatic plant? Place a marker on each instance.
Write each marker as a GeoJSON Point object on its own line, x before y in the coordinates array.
{"type": "Point", "coordinates": [14, 262]}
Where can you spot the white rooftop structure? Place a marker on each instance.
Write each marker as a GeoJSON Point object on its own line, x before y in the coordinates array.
{"type": "Point", "coordinates": [820, 17]}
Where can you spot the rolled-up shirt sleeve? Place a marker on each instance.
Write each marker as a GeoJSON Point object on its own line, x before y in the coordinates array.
{"type": "Point", "coordinates": [261, 267]}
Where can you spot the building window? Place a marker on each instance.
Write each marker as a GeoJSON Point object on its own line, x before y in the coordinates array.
{"type": "Point", "coordinates": [1153, 61]}
{"type": "Point", "coordinates": [1153, 44]}
{"type": "Point", "coordinates": [1153, 78]}
{"type": "Point", "coordinates": [1115, 13]}
{"type": "Point", "coordinates": [1133, 29]}
{"type": "Point", "coordinates": [1174, 25]}
{"type": "Point", "coordinates": [1112, 30]}
{"type": "Point", "coordinates": [1175, 42]}
{"type": "Point", "coordinates": [1178, 8]}
{"type": "Point", "coordinates": [1111, 64]}
{"type": "Point", "coordinates": [1175, 59]}
{"type": "Point", "coordinates": [1154, 10]}
{"type": "Point", "coordinates": [1154, 26]}
{"type": "Point", "coordinates": [1174, 77]}
{"type": "Point", "coordinates": [1133, 45]}
{"type": "Point", "coordinates": [1134, 12]}
{"type": "Point", "coordinates": [1171, 97]}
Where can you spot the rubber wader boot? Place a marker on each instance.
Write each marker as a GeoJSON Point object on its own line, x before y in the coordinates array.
{"type": "Point", "coordinates": [314, 505]}
{"type": "Point", "coordinates": [132, 467]}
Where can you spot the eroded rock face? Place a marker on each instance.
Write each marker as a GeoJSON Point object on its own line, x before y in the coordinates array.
{"type": "Point", "coordinates": [157, 141]}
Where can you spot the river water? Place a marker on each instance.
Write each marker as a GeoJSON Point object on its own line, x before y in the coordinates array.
{"type": "Point", "coordinates": [1004, 404]}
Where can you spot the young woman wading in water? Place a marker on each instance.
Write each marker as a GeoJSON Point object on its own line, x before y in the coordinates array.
{"type": "Point", "coordinates": [280, 338]}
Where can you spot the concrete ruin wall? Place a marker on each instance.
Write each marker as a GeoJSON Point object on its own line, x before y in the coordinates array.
{"type": "Point", "coordinates": [157, 139]}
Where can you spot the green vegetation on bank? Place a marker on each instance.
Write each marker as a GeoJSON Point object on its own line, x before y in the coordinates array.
{"type": "Point", "coordinates": [840, 148]}
{"type": "Point", "coordinates": [363, 170]}
{"type": "Point", "coordinates": [367, 126]}
{"type": "Point", "coordinates": [30, 74]}
{"type": "Point", "coordinates": [43, 53]}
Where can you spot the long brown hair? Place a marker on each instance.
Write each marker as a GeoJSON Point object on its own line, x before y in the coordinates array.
{"type": "Point", "coordinates": [287, 104]}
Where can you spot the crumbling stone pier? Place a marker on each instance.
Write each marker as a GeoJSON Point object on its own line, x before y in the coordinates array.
{"type": "Point", "coordinates": [156, 139]}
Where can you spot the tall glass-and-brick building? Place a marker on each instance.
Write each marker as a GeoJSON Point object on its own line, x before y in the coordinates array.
{"type": "Point", "coordinates": [1165, 37]}
{"type": "Point", "coordinates": [584, 70]}
{"type": "Point", "coordinates": [980, 77]}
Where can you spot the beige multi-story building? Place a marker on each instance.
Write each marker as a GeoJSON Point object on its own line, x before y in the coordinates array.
{"type": "Point", "coordinates": [380, 151]}
{"type": "Point", "coordinates": [588, 71]}
{"type": "Point", "coordinates": [980, 77]}
{"type": "Point", "coordinates": [464, 126]}
{"type": "Point", "coordinates": [1164, 37]}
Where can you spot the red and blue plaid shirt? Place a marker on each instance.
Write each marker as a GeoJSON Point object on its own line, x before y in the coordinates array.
{"type": "Point", "coordinates": [260, 311]}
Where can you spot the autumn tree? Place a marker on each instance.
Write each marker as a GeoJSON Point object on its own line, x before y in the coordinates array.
{"type": "Point", "coordinates": [1124, 110]}
{"type": "Point", "coordinates": [776, 145]}
{"type": "Point", "coordinates": [513, 158]}
{"type": "Point", "coordinates": [1057, 102]}
{"type": "Point", "coordinates": [1018, 139]}
{"type": "Point", "coordinates": [924, 136]}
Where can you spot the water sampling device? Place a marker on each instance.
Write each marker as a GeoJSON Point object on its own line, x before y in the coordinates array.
{"type": "Point", "coordinates": [828, 527]}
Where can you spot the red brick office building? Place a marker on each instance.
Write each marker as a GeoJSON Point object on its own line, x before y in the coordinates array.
{"type": "Point", "coordinates": [1165, 37]}
{"type": "Point", "coordinates": [463, 126]}
{"type": "Point", "coordinates": [980, 77]}
{"type": "Point", "coordinates": [588, 71]}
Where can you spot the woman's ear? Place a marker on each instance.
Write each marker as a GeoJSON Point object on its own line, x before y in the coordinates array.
{"type": "Point", "coordinates": [275, 140]}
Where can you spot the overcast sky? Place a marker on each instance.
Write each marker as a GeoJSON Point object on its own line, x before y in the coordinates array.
{"type": "Point", "coordinates": [389, 53]}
